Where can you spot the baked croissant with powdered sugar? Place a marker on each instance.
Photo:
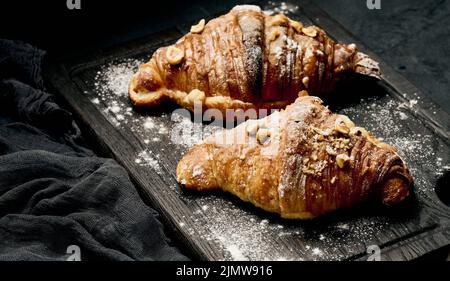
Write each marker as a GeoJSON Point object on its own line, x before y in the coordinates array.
{"type": "Point", "coordinates": [302, 162]}
{"type": "Point", "coordinates": [246, 59]}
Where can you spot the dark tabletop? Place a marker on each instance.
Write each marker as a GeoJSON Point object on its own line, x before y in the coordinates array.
{"type": "Point", "coordinates": [412, 35]}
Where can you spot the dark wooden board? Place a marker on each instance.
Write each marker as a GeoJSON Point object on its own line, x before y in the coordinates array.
{"type": "Point", "coordinates": [217, 226]}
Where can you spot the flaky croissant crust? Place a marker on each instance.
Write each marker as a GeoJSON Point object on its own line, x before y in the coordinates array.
{"type": "Point", "coordinates": [313, 162]}
{"type": "Point", "coordinates": [246, 59]}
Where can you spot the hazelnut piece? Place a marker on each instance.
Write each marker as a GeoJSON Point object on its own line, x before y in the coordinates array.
{"type": "Point", "coordinates": [343, 124]}
{"type": "Point", "coordinates": [297, 26]}
{"type": "Point", "coordinates": [279, 19]}
{"type": "Point", "coordinates": [342, 160]}
{"type": "Point", "coordinates": [198, 28]}
{"type": "Point", "coordinates": [274, 34]}
{"type": "Point", "coordinates": [174, 55]}
{"type": "Point", "coordinates": [309, 31]}
{"type": "Point", "coordinates": [195, 96]}
{"type": "Point", "coordinates": [263, 135]}
{"type": "Point", "coordinates": [358, 131]}
{"type": "Point", "coordinates": [305, 81]}
{"type": "Point", "coordinates": [252, 128]}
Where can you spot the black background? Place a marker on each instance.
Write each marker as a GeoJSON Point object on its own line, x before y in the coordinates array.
{"type": "Point", "coordinates": [412, 35]}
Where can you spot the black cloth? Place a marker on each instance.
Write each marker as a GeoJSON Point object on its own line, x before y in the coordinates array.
{"type": "Point", "coordinates": [54, 192]}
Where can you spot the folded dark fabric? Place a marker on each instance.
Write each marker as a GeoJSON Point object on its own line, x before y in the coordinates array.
{"type": "Point", "coordinates": [57, 199]}
{"type": "Point", "coordinates": [21, 61]}
{"type": "Point", "coordinates": [34, 107]}
{"type": "Point", "coordinates": [50, 201]}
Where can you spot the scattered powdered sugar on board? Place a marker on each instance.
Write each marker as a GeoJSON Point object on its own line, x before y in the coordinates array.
{"type": "Point", "coordinates": [317, 252]}
{"type": "Point", "coordinates": [391, 121]}
{"type": "Point", "coordinates": [187, 132]}
{"type": "Point", "coordinates": [236, 254]}
{"type": "Point", "coordinates": [148, 158]}
{"type": "Point", "coordinates": [241, 234]}
{"type": "Point", "coordinates": [111, 89]}
{"type": "Point", "coordinates": [244, 235]}
{"type": "Point", "coordinates": [279, 7]}
{"type": "Point", "coordinates": [115, 78]}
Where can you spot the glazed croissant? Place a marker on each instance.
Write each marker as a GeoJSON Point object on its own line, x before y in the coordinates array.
{"type": "Point", "coordinates": [301, 163]}
{"type": "Point", "coordinates": [246, 59]}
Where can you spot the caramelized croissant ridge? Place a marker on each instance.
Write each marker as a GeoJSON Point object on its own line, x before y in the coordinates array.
{"type": "Point", "coordinates": [301, 163]}
{"type": "Point", "coordinates": [246, 59]}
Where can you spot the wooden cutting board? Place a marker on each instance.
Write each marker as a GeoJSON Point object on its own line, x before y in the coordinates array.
{"type": "Point", "coordinates": [217, 226]}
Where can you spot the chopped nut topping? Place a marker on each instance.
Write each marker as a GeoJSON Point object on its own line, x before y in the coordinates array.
{"type": "Point", "coordinates": [333, 180]}
{"type": "Point", "coordinates": [198, 27]}
{"type": "Point", "coordinates": [174, 55]}
{"type": "Point", "coordinates": [279, 19]}
{"type": "Point", "coordinates": [196, 96]}
{"type": "Point", "coordinates": [305, 81]}
{"type": "Point", "coordinates": [309, 31]}
{"type": "Point", "coordinates": [252, 128]}
{"type": "Point", "coordinates": [352, 46]}
{"type": "Point", "coordinates": [313, 168]}
{"type": "Point", "coordinates": [314, 157]}
{"type": "Point", "coordinates": [343, 124]}
{"type": "Point", "coordinates": [331, 151]}
{"type": "Point", "coordinates": [321, 132]}
{"type": "Point", "coordinates": [274, 35]}
{"type": "Point", "coordinates": [263, 135]}
{"type": "Point", "coordinates": [358, 131]}
{"type": "Point", "coordinates": [320, 137]}
{"type": "Point", "coordinates": [341, 127]}
{"type": "Point", "coordinates": [303, 93]}
{"type": "Point", "coordinates": [297, 26]}
{"type": "Point", "coordinates": [342, 159]}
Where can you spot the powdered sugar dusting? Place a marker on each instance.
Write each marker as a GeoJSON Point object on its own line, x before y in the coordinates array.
{"type": "Point", "coordinates": [186, 132]}
{"type": "Point", "coordinates": [243, 235]}
{"type": "Point", "coordinates": [391, 121]}
{"type": "Point", "coordinates": [149, 159]}
{"type": "Point", "coordinates": [117, 77]}
{"type": "Point", "coordinates": [111, 88]}
{"type": "Point", "coordinates": [236, 254]}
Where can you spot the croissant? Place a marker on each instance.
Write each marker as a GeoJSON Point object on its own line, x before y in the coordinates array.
{"type": "Point", "coordinates": [246, 59]}
{"type": "Point", "coordinates": [302, 162]}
